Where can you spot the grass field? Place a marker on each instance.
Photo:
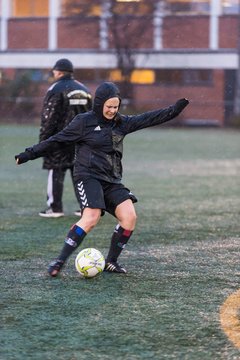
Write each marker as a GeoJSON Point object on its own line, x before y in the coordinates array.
{"type": "Point", "coordinates": [183, 259]}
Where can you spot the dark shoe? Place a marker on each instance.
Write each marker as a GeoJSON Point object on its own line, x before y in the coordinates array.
{"type": "Point", "coordinates": [112, 266]}
{"type": "Point", "coordinates": [49, 213]}
{"type": "Point", "coordinates": [55, 267]}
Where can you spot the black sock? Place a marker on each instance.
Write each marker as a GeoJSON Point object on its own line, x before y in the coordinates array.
{"type": "Point", "coordinates": [74, 238]}
{"type": "Point", "coordinates": [119, 240]}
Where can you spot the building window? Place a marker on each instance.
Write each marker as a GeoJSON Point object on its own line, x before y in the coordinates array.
{"type": "Point", "coordinates": [186, 77]}
{"type": "Point", "coordinates": [88, 75]}
{"type": "Point", "coordinates": [197, 77]}
{"type": "Point", "coordinates": [188, 7]}
{"type": "Point", "coordinates": [81, 7]}
{"type": "Point", "coordinates": [116, 7]}
{"type": "Point", "coordinates": [29, 8]}
{"type": "Point", "coordinates": [200, 6]}
{"type": "Point", "coordinates": [143, 77]}
{"type": "Point", "coordinates": [169, 77]}
{"type": "Point", "coordinates": [231, 6]}
{"type": "Point", "coordinates": [136, 8]}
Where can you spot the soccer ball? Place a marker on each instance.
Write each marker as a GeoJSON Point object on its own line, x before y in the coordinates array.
{"type": "Point", "coordinates": [89, 262]}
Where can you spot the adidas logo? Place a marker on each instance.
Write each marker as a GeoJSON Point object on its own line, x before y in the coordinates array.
{"type": "Point", "coordinates": [97, 128]}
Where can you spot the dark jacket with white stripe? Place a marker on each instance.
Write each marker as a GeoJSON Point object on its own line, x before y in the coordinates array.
{"type": "Point", "coordinates": [64, 100]}
{"type": "Point", "coordinates": [99, 142]}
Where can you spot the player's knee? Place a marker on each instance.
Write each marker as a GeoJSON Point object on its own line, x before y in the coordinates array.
{"type": "Point", "coordinates": [89, 219]}
{"type": "Point", "coordinates": [128, 222]}
{"type": "Point", "coordinates": [133, 220]}
{"type": "Point", "coordinates": [93, 218]}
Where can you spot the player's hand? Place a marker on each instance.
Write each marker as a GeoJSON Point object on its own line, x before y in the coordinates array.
{"type": "Point", "coordinates": [181, 104]}
{"type": "Point", "coordinates": [22, 157]}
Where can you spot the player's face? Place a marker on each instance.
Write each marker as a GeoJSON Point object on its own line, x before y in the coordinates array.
{"type": "Point", "coordinates": [57, 74]}
{"type": "Point", "coordinates": [110, 108]}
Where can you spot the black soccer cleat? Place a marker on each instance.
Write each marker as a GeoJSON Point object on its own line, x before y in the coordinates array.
{"type": "Point", "coordinates": [55, 267]}
{"type": "Point", "coordinates": [114, 267]}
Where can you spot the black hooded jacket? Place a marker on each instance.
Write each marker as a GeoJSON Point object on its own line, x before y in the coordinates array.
{"type": "Point", "coordinates": [98, 141]}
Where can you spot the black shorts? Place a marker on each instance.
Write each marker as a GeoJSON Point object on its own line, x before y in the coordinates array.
{"type": "Point", "coordinates": [97, 194]}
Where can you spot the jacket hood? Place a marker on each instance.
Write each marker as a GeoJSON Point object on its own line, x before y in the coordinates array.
{"type": "Point", "coordinates": [105, 91]}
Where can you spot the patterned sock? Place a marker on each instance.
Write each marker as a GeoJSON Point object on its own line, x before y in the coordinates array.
{"type": "Point", "coordinates": [119, 240]}
{"type": "Point", "coordinates": [74, 238]}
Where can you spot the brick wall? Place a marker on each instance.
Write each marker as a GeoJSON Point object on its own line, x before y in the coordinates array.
{"type": "Point", "coordinates": [78, 33]}
{"type": "Point", "coordinates": [206, 102]}
{"type": "Point", "coordinates": [229, 32]}
{"type": "Point", "coordinates": [186, 32]}
{"type": "Point", "coordinates": [179, 32]}
{"type": "Point", "coordinates": [27, 34]}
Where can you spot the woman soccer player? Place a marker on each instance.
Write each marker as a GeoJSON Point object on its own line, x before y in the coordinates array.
{"type": "Point", "coordinates": [98, 137]}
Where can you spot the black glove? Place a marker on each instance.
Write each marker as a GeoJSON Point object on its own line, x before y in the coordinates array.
{"type": "Point", "coordinates": [23, 157]}
{"type": "Point", "coordinates": [180, 105]}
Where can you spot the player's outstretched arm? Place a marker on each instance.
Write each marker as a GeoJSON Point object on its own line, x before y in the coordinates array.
{"type": "Point", "coordinates": [30, 153]}
{"type": "Point", "coordinates": [180, 105]}
{"type": "Point", "coordinates": [37, 150]}
{"type": "Point", "coordinates": [154, 117]}
{"type": "Point", "coordinates": [23, 157]}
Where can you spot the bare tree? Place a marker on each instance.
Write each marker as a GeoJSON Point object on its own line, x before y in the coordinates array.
{"type": "Point", "coordinates": [130, 27]}
{"type": "Point", "coordinates": [128, 30]}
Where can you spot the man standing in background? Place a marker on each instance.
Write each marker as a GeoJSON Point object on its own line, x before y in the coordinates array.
{"type": "Point", "coordinates": [65, 98]}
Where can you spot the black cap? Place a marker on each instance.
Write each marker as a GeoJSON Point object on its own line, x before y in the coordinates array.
{"type": "Point", "coordinates": [63, 65]}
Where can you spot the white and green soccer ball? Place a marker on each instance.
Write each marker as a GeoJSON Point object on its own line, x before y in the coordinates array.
{"type": "Point", "coordinates": [89, 262]}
